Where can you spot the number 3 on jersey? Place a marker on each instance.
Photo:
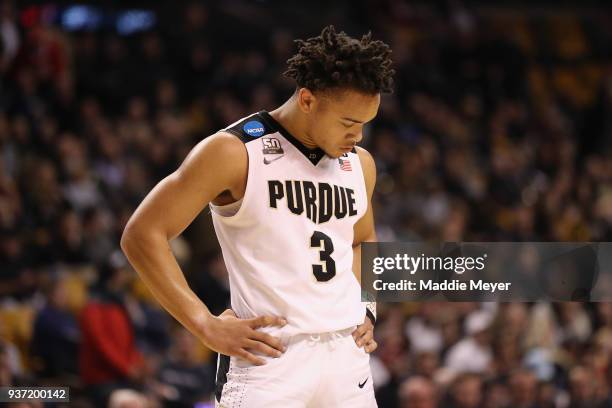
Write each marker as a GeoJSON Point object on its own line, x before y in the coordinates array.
{"type": "Point", "coordinates": [327, 269]}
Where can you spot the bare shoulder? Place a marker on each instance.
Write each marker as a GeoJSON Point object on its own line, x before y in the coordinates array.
{"type": "Point", "coordinates": [368, 166]}
{"type": "Point", "coordinates": [366, 159]}
{"type": "Point", "coordinates": [221, 160]}
{"type": "Point", "coordinates": [220, 147]}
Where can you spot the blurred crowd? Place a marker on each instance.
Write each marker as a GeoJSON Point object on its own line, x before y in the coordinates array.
{"type": "Point", "coordinates": [500, 129]}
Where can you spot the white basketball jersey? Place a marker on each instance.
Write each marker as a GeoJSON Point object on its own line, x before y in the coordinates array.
{"type": "Point", "coordinates": [289, 246]}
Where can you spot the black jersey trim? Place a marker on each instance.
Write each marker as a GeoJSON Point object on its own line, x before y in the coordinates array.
{"type": "Point", "coordinates": [242, 128]}
{"type": "Point", "coordinates": [224, 363]}
{"type": "Point", "coordinates": [313, 155]}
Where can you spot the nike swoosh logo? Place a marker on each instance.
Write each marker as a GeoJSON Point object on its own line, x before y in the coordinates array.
{"type": "Point", "coordinates": [363, 383]}
{"type": "Point", "coordinates": [266, 161]}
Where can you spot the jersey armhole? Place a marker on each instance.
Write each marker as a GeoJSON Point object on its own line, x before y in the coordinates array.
{"type": "Point", "coordinates": [247, 130]}
{"type": "Point", "coordinates": [244, 199]}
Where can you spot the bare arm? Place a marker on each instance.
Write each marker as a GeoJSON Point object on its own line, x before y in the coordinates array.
{"type": "Point", "coordinates": [166, 211]}
{"type": "Point", "coordinates": [364, 230]}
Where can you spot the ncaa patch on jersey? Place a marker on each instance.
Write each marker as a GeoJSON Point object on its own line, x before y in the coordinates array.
{"type": "Point", "coordinates": [254, 128]}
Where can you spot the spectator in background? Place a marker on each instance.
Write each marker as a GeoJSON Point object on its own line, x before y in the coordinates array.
{"type": "Point", "coordinates": [213, 285]}
{"type": "Point", "coordinates": [546, 395]}
{"type": "Point", "coordinates": [56, 335]}
{"type": "Point", "coordinates": [46, 49]}
{"type": "Point", "coordinates": [108, 358]}
{"type": "Point", "coordinates": [17, 280]}
{"type": "Point", "coordinates": [426, 364]}
{"type": "Point", "coordinates": [423, 328]}
{"type": "Point", "coordinates": [497, 395]}
{"type": "Point", "coordinates": [9, 35]}
{"type": "Point", "coordinates": [392, 363]}
{"type": "Point", "coordinates": [70, 247]}
{"type": "Point", "coordinates": [151, 325]}
{"type": "Point", "coordinates": [10, 361]}
{"type": "Point", "coordinates": [98, 240]}
{"type": "Point", "coordinates": [583, 388]}
{"type": "Point", "coordinates": [127, 399]}
{"type": "Point", "coordinates": [418, 392]}
{"type": "Point", "coordinates": [183, 379]}
{"type": "Point", "coordinates": [6, 374]}
{"type": "Point", "coordinates": [473, 353]}
{"type": "Point", "coordinates": [523, 389]}
{"type": "Point", "coordinates": [465, 392]}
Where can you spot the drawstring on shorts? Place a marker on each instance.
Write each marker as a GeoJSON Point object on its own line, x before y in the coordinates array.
{"type": "Point", "coordinates": [330, 338]}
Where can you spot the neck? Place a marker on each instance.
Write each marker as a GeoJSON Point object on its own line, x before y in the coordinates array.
{"type": "Point", "coordinates": [293, 119]}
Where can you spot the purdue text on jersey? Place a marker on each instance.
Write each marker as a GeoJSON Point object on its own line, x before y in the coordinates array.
{"type": "Point", "coordinates": [321, 202]}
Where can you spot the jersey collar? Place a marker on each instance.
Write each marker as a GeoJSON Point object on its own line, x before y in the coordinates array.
{"type": "Point", "coordinates": [313, 155]}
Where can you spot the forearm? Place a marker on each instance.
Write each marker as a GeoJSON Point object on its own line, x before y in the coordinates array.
{"type": "Point", "coordinates": [370, 237]}
{"type": "Point", "coordinates": [357, 262]}
{"type": "Point", "coordinates": [153, 260]}
{"type": "Point", "coordinates": [371, 303]}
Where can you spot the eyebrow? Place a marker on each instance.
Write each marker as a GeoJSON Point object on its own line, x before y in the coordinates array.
{"type": "Point", "coordinates": [352, 120]}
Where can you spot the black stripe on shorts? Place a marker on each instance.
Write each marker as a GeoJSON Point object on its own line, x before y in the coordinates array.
{"type": "Point", "coordinates": [224, 363]}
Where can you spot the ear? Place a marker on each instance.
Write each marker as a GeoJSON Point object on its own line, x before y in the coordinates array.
{"type": "Point", "coordinates": [306, 100]}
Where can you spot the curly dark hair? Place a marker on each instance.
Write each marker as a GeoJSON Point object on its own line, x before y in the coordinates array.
{"type": "Point", "coordinates": [335, 60]}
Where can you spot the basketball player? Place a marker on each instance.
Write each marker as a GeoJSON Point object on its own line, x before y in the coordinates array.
{"type": "Point", "coordinates": [290, 195]}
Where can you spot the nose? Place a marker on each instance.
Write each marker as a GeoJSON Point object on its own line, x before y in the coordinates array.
{"type": "Point", "coordinates": [356, 138]}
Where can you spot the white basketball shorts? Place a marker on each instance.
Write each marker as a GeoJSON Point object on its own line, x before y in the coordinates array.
{"type": "Point", "coordinates": [324, 370]}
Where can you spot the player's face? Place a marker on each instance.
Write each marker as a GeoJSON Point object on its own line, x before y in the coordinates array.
{"type": "Point", "coordinates": [336, 124]}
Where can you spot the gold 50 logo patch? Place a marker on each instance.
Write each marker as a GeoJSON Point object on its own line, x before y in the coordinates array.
{"type": "Point", "coordinates": [271, 145]}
